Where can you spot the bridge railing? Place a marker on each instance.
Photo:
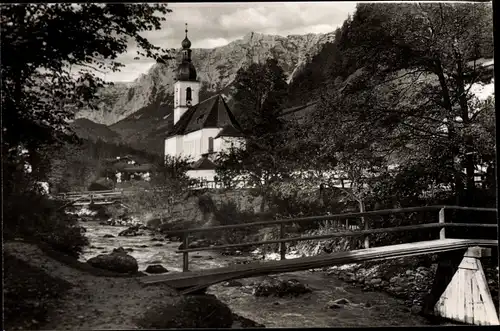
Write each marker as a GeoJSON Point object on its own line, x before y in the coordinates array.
{"type": "Point", "coordinates": [366, 231]}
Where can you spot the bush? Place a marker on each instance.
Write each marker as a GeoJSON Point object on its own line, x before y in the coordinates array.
{"type": "Point", "coordinates": [229, 214]}
{"type": "Point", "coordinates": [193, 311]}
{"type": "Point", "coordinates": [43, 220]}
{"type": "Point", "coordinates": [101, 185]}
{"type": "Point", "coordinates": [102, 212]}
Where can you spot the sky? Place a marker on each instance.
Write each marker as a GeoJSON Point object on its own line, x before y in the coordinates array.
{"type": "Point", "coordinates": [217, 24]}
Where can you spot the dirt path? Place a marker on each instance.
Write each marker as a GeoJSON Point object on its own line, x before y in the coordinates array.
{"type": "Point", "coordinates": [93, 302]}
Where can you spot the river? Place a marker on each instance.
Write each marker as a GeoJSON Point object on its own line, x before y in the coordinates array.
{"type": "Point", "coordinates": [365, 308]}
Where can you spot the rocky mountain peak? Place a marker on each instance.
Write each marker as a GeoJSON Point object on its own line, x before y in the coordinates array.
{"type": "Point", "coordinates": [216, 70]}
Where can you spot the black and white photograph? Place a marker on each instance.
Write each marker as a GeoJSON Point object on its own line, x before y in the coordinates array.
{"type": "Point", "coordinates": [242, 165]}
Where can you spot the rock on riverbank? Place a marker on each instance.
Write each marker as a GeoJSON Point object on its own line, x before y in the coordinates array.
{"type": "Point", "coordinates": [89, 301]}
{"type": "Point", "coordinates": [404, 278]}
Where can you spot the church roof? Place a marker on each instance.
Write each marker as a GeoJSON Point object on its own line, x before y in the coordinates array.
{"type": "Point", "coordinates": [203, 164]}
{"type": "Point", "coordinates": [229, 131]}
{"type": "Point", "coordinates": [210, 113]}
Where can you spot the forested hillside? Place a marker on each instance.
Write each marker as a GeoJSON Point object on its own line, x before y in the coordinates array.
{"type": "Point", "coordinates": [397, 106]}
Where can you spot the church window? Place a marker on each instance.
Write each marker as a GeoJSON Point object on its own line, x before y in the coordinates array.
{"type": "Point", "coordinates": [188, 94]}
{"type": "Point", "coordinates": [210, 144]}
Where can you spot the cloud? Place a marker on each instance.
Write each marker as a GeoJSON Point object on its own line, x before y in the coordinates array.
{"type": "Point", "coordinates": [217, 24]}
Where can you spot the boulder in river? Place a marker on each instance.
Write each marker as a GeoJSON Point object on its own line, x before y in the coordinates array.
{"type": "Point", "coordinates": [197, 244]}
{"type": "Point", "coordinates": [117, 261]}
{"type": "Point", "coordinates": [280, 288]}
{"type": "Point", "coordinates": [157, 239]}
{"type": "Point", "coordinates": [132, 231]}
{"type": "Point", "coordinates": [191, 311]}
{"type": "Point", "coordinates": [243, 322]}
{"type": "Point", "coordinates": [108, 236]}
{"type": "Point", "coordinates": [156, 269]}
{"type": "Point", "coordinates": [119, 250]}
{"type": "Point", "coordinates": [232, 283]}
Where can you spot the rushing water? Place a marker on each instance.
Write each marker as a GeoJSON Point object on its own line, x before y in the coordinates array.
{"type": "Point", "coordinates": [366, 308]}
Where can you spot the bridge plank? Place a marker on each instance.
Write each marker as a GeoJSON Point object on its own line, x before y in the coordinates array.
{"type": "Point", "coordinates": [211, 276]}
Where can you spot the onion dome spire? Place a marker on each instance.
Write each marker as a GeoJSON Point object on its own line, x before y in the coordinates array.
{"type": "Point", "coordinates": [186, 70]}
{"type": "Point", "coordinates": [186, 43]}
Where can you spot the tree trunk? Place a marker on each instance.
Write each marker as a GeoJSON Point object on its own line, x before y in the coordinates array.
{"type": "Point", "coordinates": [264, 200]}
{"type": "Point", "coordinates": [469, 150]}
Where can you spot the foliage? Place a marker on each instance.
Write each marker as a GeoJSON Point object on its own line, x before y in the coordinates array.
{"type": "Point", "coordinates": [40, 89]}
{"type": "Point", "coordinates": [169, 185]}
{"type": "Point", "coordinates": [228, 213]}
{"type": "Point", "coordinates": [404, 98]}
{"type": "Point", "coordinates": [44, 220]}
{"type": "Point", "coordinates": [51, 54]}
{"type": "Point", "coordinates": [264, 157]}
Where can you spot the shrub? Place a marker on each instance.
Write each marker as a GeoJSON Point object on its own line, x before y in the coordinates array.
{"type": "Point", "coordinates": [44, 220]}
{"type": "Point", "coordinates": [101, 185]}
{"type": "Point", "coordinates": [229, 214]}
{"type": "Point", "coordinates": [102, 211]}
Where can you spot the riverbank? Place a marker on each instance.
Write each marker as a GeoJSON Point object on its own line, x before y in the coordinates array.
{"type": "Point", "coordinates": [52, 294]}
{"type": "Point", "coordinates": [301, 311]}
{"type": "Point", "coordinates": [409, 279]}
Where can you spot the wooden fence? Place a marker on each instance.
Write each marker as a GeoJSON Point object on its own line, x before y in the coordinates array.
{"type": "Point", "coordinates": [365, 232]}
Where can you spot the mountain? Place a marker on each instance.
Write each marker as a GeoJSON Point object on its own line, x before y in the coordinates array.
{"type": "Point", "coordinates": [216, 69]}
{"type": "Point", "coordinates": [89, 130]}
{"type": "Point", "coordinates": [107, 98]}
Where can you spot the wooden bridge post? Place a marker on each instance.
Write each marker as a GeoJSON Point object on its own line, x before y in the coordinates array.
{"type": "Point", "coordinates": [442, 234]}
{"type": "Point", "coordinates": [367, 237]}
{"type": "Point", "coordinates": [282, 244]}
{"type": "Point", "coordinates": [467, 298]}
{"type": "Point", "coordinates": [185, 255]}
{"type": "Point", "coordinates": [365, 222]}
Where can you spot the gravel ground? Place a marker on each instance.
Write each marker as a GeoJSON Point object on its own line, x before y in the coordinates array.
{"type": "Point", "coordinates": [71, 299]}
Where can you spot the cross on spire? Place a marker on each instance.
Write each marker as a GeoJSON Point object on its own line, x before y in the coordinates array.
{"type": "Point", "coordinates": [186, 30]}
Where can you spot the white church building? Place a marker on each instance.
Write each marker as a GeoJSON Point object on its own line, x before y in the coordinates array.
{"type": "Point", "coordinates": [201, 129]}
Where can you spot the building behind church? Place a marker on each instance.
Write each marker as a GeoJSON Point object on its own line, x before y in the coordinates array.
{"type": "Point", "coordinates": [201, 129]}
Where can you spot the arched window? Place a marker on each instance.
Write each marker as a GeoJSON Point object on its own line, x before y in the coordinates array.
{"type": "Point", "coordinates": [188, 94]}
{"type": "Point", "coordinates": [210, 144]}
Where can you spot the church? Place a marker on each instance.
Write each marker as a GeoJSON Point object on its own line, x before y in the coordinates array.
{"type": "Point", "coordinates": [201, 129]}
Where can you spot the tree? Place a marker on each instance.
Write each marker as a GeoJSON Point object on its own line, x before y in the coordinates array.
{"type": "Point", "coordinates": [264, 159]}
{"type": "Point", "coordinates": [50, 56]}
{"type": "Point", "coordinates": [169, 183]}
{"type": "Point", "coordinates": [408, 98]}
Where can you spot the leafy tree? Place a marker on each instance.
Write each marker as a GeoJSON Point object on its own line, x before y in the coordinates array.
{"type": "Point", "coordinates": [408, 97]}
{"type": "Point", "coordinates": [169, 184]}
{"type": "Point", "coordinates": [51, 55]}
{"type": "Point", "coordinates": [265, 156]}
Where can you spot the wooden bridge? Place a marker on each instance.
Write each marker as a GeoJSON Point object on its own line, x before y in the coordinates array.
{"type": "Point", "coordinates": [84, 198]}
{"type": "Point", "coordinates": [466, 299]}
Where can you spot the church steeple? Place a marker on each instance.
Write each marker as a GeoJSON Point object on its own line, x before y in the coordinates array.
{"type": "Point", "coordinates": [186, 43]}
{"type": "Point", "coordinates": [186, 71]}
{"type": "Point", "coordinates": [187, 87]}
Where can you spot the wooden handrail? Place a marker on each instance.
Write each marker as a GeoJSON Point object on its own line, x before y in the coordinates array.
{"type": "Point", "coordinates": [339, 234]}
{"type": "Point", "coordinates": [366, 232]}
{"type": "Point", "coordinates": [327, 217]}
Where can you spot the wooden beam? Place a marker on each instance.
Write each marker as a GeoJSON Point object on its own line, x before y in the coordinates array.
{"type": "Point", "coordinates": [478, 252]}
{"type": "Point", "coordinates": [329, 217]}
{"type": "Point", "coordinates": [203, 277]}
{"type": "Point", "coordinates": [467, 298]}
{"type": "Point", "coordinates": [442, 233]}
{"type": "Point", "coordinates": [325, 236]}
